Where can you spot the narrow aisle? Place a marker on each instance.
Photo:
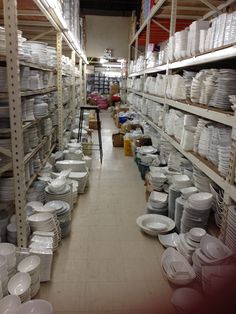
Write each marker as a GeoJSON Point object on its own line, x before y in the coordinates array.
{"type": "Point", "coordinates": [107, 265]}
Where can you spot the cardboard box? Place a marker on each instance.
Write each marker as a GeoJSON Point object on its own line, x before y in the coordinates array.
{"type": "Point", "coordinates": [93, 124]}
{"type": "Point", "coordinates": [143, 141]}
{"type": "Point", "coordinates": [118, 139]}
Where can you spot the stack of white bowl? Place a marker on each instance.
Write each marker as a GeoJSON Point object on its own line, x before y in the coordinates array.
{"type": "Point", "coordinates": [19, 285]}
{"type": "Point", "coordinates": [81, 177]}
{"type": "Point", "coordinates": [9, 304]}
{"type": "Point", "coordinates": [176, 268]}
{"type": "Point", "coordinates": [189, 242]}
{"type": "Point", "coordinates": [44, 222]}
{"type": "Point", "coordinates": [50, 210]}
{"type": "Point", "coordinates": [210, 253]}
{"type": "Point", "coordinates": [157, 203]}
{"type": "Point", "coordinates": [9, 251]}
{"type": "Point", "coordinates": [31, 266]}
{"type": "Point", "coordinates": [180, 202]}
{"type": "Point", "coordinates": [3, 275]}
{"type": "Point", "coordinates": [12, 233]}
{"type": "Point", "coordinates": [196, 212]}
{"type": "Point", "coordinates": [153, 224]}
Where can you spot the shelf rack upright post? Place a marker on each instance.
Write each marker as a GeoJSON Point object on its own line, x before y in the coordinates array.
{"type": "Point", "coordinates": [10, 22]}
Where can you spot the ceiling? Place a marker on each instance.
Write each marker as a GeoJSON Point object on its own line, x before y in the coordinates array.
{"type": "Point", "coordinates": [110, 7]}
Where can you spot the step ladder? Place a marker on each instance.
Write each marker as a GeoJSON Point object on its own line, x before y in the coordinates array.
{"type": "Point", "coordinates": [81, 119]}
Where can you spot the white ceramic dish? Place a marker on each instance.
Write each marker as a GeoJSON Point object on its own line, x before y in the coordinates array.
{"type": "Point", "coordinates": [35, 307]}
{"type": "Point", "coordinates": [74, 165]}
{"type": "Point", "coordinates": [19, 284]}
{"type": "Point", "coordinates": [169, 240]}
{"type": "Point", "coordinates": [9, 304]}
{"type": "Point", "coordinates": [29, 264]}
{"type": "Point", "coordinates": [176, 268]}
{"type": "Point", "coordinates": [144, 220]}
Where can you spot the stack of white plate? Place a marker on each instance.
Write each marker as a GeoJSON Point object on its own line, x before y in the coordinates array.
{"type": "Point", "coordinates": [187, 192]}
{"type": "Point", "coordinates": [51, 57]}
{"type": "Point", "coordinates": [231, 229]}
{"type": "Point", "coordinates": [46, 126]}
{"type": "Point", "coordinates": [157, 203]}
{"type": "Point", "coordinates": [63, 212]}
{"type": "Point", "coordinates": [3, 275]}
{"type": "Point", "coordinates": [9, 251]}
{"type": "Point", "coordinates": [200, 126]}
{"type": "Point", "coordinates": [30, 207]}
{"type": "Point", "coordinates": [157, 180]}
{"type": "Point", "coordinates": [32, 134]}
{"type": "Point", "coordinates": [201, 181]}
{"type": "Point", "coordinates": [189, 242]}
{"type": "Point", "coordinates": [181, 181]}
{"type": "Point", "coordinates": [41, 110]}
{"type": "Point", "coordinates": [176, 268]}
{"type": "Point", "coordinates": [38, 52]}
{"type": "Point", "coordinates": [5, 143]}
{"type": "Point", "coordinates": [19, 285]}
{"type": "Point", "coordinates": [74, 165]}
{"type": "Point", "coordinates": [44, 239]}
{"type": "Point", "coordinates": [7, 189]}
{"type": "Point", "coordinates": [4, 218]}
{"type": "Point", "coordinates": [39, 187]}
{"type": "Point", "coordinates": [196, 212]}
{"type": "Point", "coordinates": [28, 109]}
{"type": "Point", "coordinates": [224, 159]}
{"type": "Point", "coordinates": [12, 233]}
{"type": "Point", "coordinates": [31, 266]}
{"type": "Point", "coordinates": [65, 195]}
{"type": "Point", "coordinates": [211, 252]}
{"type": "Point", "coordinates": [153, 224]}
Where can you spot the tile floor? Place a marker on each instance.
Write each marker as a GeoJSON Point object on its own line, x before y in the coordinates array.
{"type": "Point", "coordinates": [107, 266]}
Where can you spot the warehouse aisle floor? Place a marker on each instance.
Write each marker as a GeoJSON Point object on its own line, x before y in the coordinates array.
{"type": "Point", "coordinates": [107, 266]}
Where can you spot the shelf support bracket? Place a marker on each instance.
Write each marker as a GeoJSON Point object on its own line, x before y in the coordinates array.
{"type": "Point", "coordinates": [43, 34]}
{"type": "Point", "coordinates": [160, 25]}
{"type": "Point", "coordinates": [211, 6]}
{"type": "Point", "coordinates": [10, 23]}
{"type": "Point", "coordinates": [173, 17]}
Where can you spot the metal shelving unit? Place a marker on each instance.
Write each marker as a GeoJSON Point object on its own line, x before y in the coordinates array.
{"type": "Point", "coordinates": [55, 34]}
{"type": "Point", "coordinates": [216, 55]}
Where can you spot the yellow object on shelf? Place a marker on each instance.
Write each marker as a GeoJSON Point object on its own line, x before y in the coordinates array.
{"type": "Point", "coordinates": [128, 147]}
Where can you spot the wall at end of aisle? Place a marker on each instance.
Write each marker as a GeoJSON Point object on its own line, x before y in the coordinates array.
{"type": "Point", "coordinates": [107, 32]}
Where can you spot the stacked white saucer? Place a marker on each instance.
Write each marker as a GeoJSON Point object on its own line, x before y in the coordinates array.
{"type": "Point", "coordinates": [3, 275]}
{"type": "Point", "coordinates": [8, 250]}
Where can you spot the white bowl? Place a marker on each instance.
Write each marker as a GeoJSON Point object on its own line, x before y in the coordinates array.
{"type": "Point", "coordinates": [144, 220]}
{"type": "Point", "coordinates": [196, 234]}
{"type": "Point", "coordinates": [57, 185]}
{"type": "Point", "coordinates": [29, 264]}
{"type": "Point", "coordinates": [9, 304]}
{"type": "Point", "coordinates": [74, 165]}
{"type": "Point", "coordinates": [8, 250]}
{"type": "Point", "coordinates": [35, 307]}
{"type": "Point", "coordinates": [19, 284]}
{"type": "Point", "coordinates": [169, 240]}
